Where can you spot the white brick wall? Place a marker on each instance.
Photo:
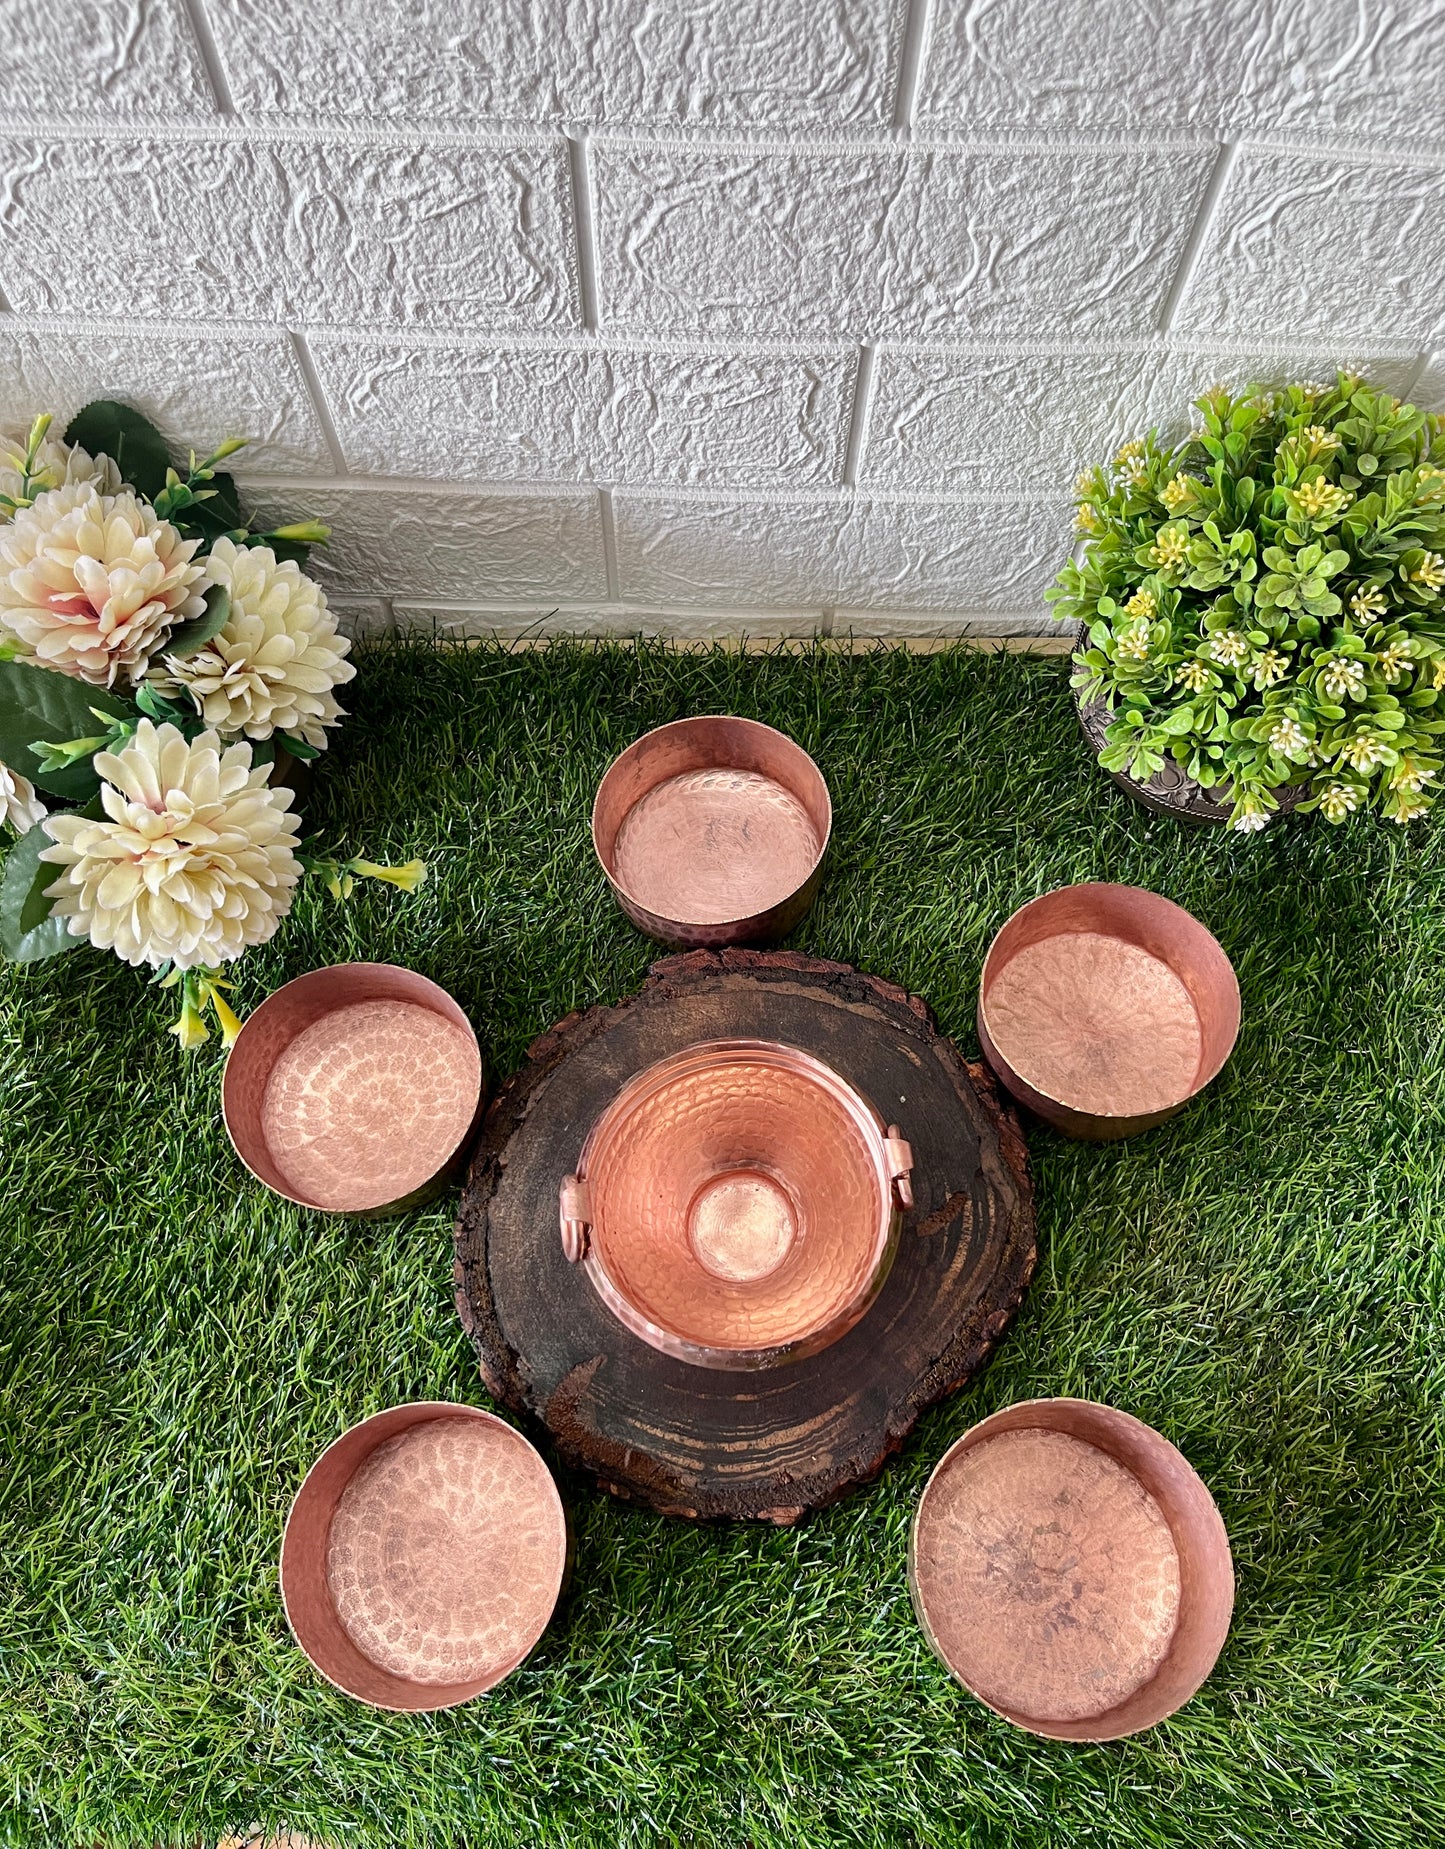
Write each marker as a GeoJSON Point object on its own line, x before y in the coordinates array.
{"type": "Point", "coordinates": [703, 316]}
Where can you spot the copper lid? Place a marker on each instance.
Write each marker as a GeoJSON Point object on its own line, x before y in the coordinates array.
{"type": "Point", "coordinates": [712, 831]}
{"type": "Point", "coordinates": [1070, 1569]}
{"type": "Point", "coordinates": [423, 1556]}
{"type": "Point", "coordinates": [1106, 1008]}
{"type": "Point", "coordinates": [737, 1204]}
{"type": "Point", "coordinates": [353, 1089]}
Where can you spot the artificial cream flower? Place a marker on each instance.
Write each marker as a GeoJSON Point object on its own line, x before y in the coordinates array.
{"type": "Point", "coordinates": [1430, 572]}
{"type": "Point", "coordinates": [273, 666]}
{"type": "Point", "coordinates": [57, 464]}
{"type": "Point", "coordinates": [1270, 666]}
{"type": "Point", "coordinates": [1177, 492]}
{"type": "Point", "coordinates": [1320, 500]}
{"type": "Point", "coordinates": [1194, 675]}
{"type": "Point", "coordinates": [1364, 751]}
{"type": "Point", "coordinates": [1133, 642]}
{"type": "Point", "coordinates": [1141, 606]}
{"type": "Point", "coordinates": [1229, 647]}
{"type": "Point", "coordinates": [1170, 548]}
{"type": "Point", "coordinates": [1393, 661]}
{"type": "Point", "coordinates": [1343, 677]}
{"type": "Point", "coordinates": [19, 805]}
{"type": "Point", "coordinates": [1287, 737]}
{"type": "Point", "coordinates": [1410, 809]}
{"type": "Point", "coordinates": [91, 583]}
{"type": "Point", "coordinates": [1368, 602]}
{"type": "Point", "coordinates": [1338, 801]}
{"type": "Point", "coordinates": [195, 862]}
{"type": "Point", "coordinates": [1410, 774]}
{"type": "Point", "coordinates": [1087, 518]}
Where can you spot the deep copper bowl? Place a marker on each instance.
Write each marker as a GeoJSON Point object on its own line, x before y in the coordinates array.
{"type": "Point", "coordinates": [354, 1089]}
{"type": "Point", "coordinates": [737, 1204]}
{"type": "Point", "coordinates": [713, 831]}
{"type": "Point", "coordinates": [423, 1556]}
{"type": "Point", "coordinates": [1105, 1008]}
{"type": "Point", "coordinates": [1070, 1569]}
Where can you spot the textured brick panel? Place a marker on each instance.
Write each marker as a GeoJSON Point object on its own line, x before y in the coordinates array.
{"type": "Point", "coordinates": [731, 552]}
{"type": "Point", "coordinates": [777, 62]}
{"type": "Point", "coordinates": [198, 387]}
{"type": "Point", "coordinates": [950, 421]}
{"type": "Point", "coordinates": [389, 541]}
{"type": "Point", "coordinates": [281, 229]}
{"type": "Point", "coordinates": [99, 58]}
{"type": "Point", "coordinates": [608, 620]}
{"type": "Point", "coordinates": [587, 413]}
{"type": "Point", "coordinates": [779, 241]}
{"type": "Point", "coordinates": [1307, 245]}
{"type": "Point", "coordinates": [1327, 67]}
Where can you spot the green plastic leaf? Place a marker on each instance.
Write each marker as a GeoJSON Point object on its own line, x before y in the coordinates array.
{"type": "Point", "coordinates": [28, 933]}
{"type": "Point", "coordinates": [37, 704]}
{"type": "Point", "coordinates": [186, 639]}
{"type": "Point", "coordinates": [131, 441]}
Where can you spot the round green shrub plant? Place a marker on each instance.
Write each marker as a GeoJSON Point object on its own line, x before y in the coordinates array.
{"type": "Point", "coordinates": [1265, 602]}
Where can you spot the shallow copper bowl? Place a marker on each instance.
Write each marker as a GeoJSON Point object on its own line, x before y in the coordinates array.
{"type": "Point", "coordinates": [713, 831]}
{"type": "Point", "coordinates": [1069, 1568]}
{"type": "Point", "coordinates": [737, 1204]}
{"type": "Point", "coordinates": [1105, 1008]}
{"type": "Point", "coordinates": [423, 1556]}
{"type": "Point", "coordinates": [354, 1089]}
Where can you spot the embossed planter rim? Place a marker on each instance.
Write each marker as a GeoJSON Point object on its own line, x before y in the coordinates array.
{"type": "Point", "coordinates": [1206, 1566]}
{"type": "Point", "coordinates": [712, 741]}
{"type": "Point", "coordinates": [287, 1012]}
{"type": "Point", "coordinates": [1200, 808]}
{"type": "Point", "coordinates": [305, 1585]}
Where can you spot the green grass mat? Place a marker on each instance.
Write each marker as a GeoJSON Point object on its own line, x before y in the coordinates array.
{"type": "Point", "coordinates": [1261, 1279]}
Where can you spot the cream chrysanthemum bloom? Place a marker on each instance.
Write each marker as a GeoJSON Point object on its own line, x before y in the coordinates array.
{"type": "Point", "coordinates": [19, 805]}
{"type": "Point", "coordinates": [58, 464]}
{"type": "Point", "coordinates": [91, 583]}
{"type": "Point", "coordinates": [273, 666]}
{"type": "Point", "coordinates": [195, 862]}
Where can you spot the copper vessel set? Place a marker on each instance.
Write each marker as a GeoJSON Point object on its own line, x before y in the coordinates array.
{"type": "Point", "coordinates": [738, 1206]}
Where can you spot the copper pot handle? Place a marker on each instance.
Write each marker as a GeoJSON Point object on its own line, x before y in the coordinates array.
{"type": "Point", "coordinates": [576, 1213]}
{"type": "Point", "coordinates": [900, 1166]}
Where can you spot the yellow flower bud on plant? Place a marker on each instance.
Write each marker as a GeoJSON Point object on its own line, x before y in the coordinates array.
{"type": "Point", "coordinates": [408, 877]}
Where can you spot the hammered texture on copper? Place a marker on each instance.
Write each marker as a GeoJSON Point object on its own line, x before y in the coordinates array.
{"type": "Point", "coordinates": [710, 846]}
{"type": "Point", "coordinates": [1096, 1023]}
{"type": "Point", "coordinates": [367, 1103]}
{"type": "Point", "coordinates": [1048, 1575]}
{"type": "Point", "coordinates": [446, 1555]}
{"type": "Point", "coordinates": [651, 1199]}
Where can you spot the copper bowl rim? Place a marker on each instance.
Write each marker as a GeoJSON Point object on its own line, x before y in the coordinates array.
{"type": "Point", "coordinates": [682, 931]}
{"type": "Point", "coordinates": [289, 1569]}
{"type": "Point", "coordinates": [275, 1003]}
{"type": "Point", "coordinates": [1020, 1415]}
{"type": "Point", "coordinates": [707, 1055]}
{"type": "Point", "coordinates": [1209, 1071]}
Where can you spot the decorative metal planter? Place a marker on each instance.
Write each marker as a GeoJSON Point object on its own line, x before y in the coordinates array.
{"type": "Point", "coordinates": [712, 831]}
{"type": "Point", "coordinates": [424, 1556]}
{"type": "Point", "coordinates": [1169, 791]}
{"type": "Point", "coordinates": [737, 1204]}
{"type": "Point", "coordinates": [1070, 1569]}
{"type": "Point", "coordinates": [354, 1089]}
{"type": "Point", "coordinates": [1105, 1008]}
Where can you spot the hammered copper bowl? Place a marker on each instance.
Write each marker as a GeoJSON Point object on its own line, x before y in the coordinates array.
{"type": "Point", "coordinates": [737, 1204]}
{"type": "Point", "coordinates": [1070, 1569]}
{"type": "Point", "coordinates": [1105, 1009]}
{"type": "Point", "coordinates": [712, 831]}
{"type": "Point", "coordinates": [354, 1089]}
{"type": "Point", "coordinates": [423, 1556]}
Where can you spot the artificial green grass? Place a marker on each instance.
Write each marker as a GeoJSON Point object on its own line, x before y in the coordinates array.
{"type": "Point", "coordinates": [1261, 1279]}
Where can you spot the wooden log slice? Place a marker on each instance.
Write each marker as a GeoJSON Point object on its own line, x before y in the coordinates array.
{"type": "Point", "coordinates": [772, 1445]}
